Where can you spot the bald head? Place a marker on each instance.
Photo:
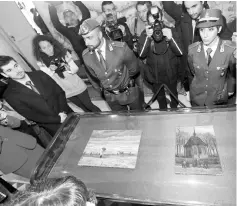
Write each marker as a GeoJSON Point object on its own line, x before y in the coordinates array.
{"type": "Point", "coordinates": [93, 39]}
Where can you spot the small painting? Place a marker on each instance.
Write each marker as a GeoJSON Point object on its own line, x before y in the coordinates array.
{"type": "Point", "coordinates": [112, 148]}
{"type": "Point", "coordinates": [196, 151]}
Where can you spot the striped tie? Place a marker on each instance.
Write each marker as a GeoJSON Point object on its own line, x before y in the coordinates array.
{"type": "Point", "coordinates": [29, 83]}
{"type": "Point", "coordinates": [102, 60]}
{"type": "Point", "coordinates": [209, 50]}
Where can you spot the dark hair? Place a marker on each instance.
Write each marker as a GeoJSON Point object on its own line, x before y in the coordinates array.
{"type": "Point", "coordinates": [217, 27]}
{"type": "Point", "coordinates": [4, 60]}
{"type": "Point", "coordinates": [105, 3]}
{"type": "Point", "coordinates": [58, 48]}
{"type": "Point", "coordinates": [148, 3]}
{"type": "Point", "coordinates": [205, 5]}
{"type": "Point", "coordinates": [63, 191]}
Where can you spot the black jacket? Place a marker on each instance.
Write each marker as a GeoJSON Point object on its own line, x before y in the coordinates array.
{"type": "Point", "coordinates": [161, 58]}
{"type": "Point", "coordinates": [71, 33]}
{"type": "Point", "coordinates": [42, 109]}
{"type": "Point", "coordinates": [127, 38]}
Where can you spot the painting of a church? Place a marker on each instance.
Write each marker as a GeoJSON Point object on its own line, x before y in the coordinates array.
{"type": "Point", "coordinates": [195, 147]}
{"type": "Point", "coordinates": [196, 151]}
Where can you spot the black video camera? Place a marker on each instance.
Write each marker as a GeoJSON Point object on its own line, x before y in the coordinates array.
{"type": "Point", "coordinates": [157, 26]}
{"type": "Point", "coordinates": [115, 33]}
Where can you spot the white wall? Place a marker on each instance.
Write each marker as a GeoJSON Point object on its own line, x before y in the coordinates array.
{"type": "Point", "coordinates": [15, 24]}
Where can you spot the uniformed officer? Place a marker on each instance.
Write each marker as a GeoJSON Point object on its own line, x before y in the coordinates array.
{"type": "Point", "coordinates": [110, 67]}
{"type": "Point", "coordinates": [210, 61]}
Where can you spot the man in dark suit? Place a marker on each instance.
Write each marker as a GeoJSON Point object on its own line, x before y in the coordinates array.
{"type": "Point", "coordinates": [185, 17]}
{"type": "Point", "coordinates": [110, 67]}
{"type": "Point", "coordinates": [34, 95]}
{"type": "Point", "coordinates": [19, 152]}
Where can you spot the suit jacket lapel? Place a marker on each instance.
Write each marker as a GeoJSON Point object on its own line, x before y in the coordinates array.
{"type": "Point", "coordinates": [16, 86]}
{"type": "Point", "coordinates": [37, 83]}
{"type": "Point", "coordinates": [202, 58]}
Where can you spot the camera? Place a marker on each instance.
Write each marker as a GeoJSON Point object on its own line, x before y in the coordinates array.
{"type": "Point", "coordinates": [59, 62]}
{"type": "Point", "coordinates": [115, 33]}
{"type": "Point", "coordinates": [135, 44]}
{"type": "Point", "coordinates": [157, 26]}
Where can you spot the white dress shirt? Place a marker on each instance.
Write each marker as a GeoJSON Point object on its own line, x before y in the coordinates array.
{"type": "Point", "coordinates": [103, 50]}
{"type": "Point", "coordinates": [213, 47]}
{"type": "Point", "coordinates": [24, 80]}
{"type": "Point", "coordinates": [194, 26]}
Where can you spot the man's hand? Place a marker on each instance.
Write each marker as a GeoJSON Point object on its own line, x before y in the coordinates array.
{"type": "Point", "coordinates": [234, 37]}
{"type": "Point", "coordinates": [122, 29]}
{"type": "Point", "coordinates": [149, 31]}
{"type": "Point", "coordinates": [168, 33]}
{"type": "Point", "coordinates": [63, 116]}
{"type": "Point", "coordinates": [3, 115]}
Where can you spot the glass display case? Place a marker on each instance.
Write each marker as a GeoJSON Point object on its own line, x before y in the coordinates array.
{"type": "Point", "coordinates": [154, 180]}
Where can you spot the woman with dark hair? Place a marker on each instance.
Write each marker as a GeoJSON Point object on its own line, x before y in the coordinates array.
{"type": "Point", "coordinates": [57, 62]}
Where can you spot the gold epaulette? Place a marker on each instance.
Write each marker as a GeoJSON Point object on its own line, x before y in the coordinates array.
{"type": "Point", "coordinates": [117, 43]}
{"type": "Point", "coordinates": [194, 45]}
{"type": "Point", "coordinates": [85, 51]}
{"type": "Point", "coordinates": [229, 44]}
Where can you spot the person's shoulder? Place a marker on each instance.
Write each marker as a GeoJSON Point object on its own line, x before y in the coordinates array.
{"type": "Point", "coordinates": [85, 52]}
{"type": "Point", "coordinates": [229, 44]}
{"type": "Point", "coordinates": [118, 44]}
{"type": "Point", "coordinates": [194, 45]}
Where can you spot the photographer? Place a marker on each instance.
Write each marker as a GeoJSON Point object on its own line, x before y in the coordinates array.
{"type": "Point", "coordinates": [113, 28]}
{"type": "Point", "coordinates": [161, 46]}
{"type": "Point", "coordinates": [70, 30]}
{"type": "Point", "coordinates": [57, 62]}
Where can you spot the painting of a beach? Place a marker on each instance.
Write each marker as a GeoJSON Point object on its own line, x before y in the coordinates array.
{"type": "Point", "coordinates": [112, 148]}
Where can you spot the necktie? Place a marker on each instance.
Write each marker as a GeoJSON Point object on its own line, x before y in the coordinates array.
{"type": "Point", "coordinates": [209, 50]}
{"type": "Point", "coordinates": [102, 60]}
{"type": "Point", "coordinates": [29, 83]}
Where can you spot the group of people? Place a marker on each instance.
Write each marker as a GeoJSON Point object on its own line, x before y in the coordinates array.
{"type": "Point", "coordinates": [198, 52]}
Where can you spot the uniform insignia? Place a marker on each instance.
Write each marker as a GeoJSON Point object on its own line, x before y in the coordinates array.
{"type": "Point", "coordinates": [85, 51]}
{"type": "Point", "coordinates": [110, 47]}
{"type": "Point", "coordinates": [229, 44]}
{"type": "Point", "coordinates": [199, 48]}
{"type": "Point", "coordinates": [222, 47]}
{"type": "Point", "coordinates": [117, 43]}
{"type": "Point", "coordinates": [84, 29]}
{"type": "Point", "coordinates": [191, 46]}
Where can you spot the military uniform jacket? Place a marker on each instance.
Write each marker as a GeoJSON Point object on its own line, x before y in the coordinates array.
{"type": "Point", "coordinates": [121, 64]}
{"type": "Point", "coordinates": [209, 85]}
